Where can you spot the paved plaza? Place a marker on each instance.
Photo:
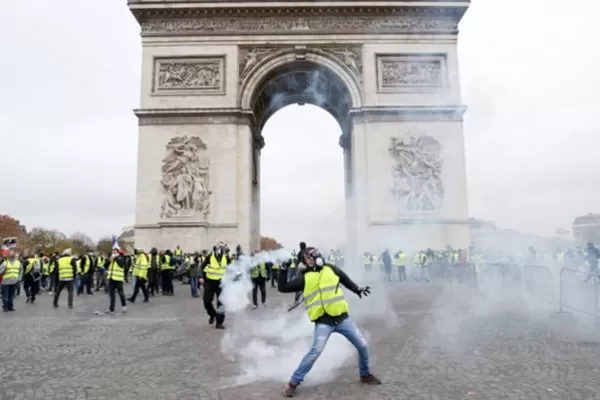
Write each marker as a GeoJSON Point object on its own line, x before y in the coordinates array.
{"type": "Point", "coordinates": [444, 345]}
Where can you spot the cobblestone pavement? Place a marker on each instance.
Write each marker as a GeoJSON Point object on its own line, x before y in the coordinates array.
{"type": "Point", "coordinates": [446, 346]}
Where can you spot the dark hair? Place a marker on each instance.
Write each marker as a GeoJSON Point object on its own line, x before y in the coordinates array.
{"type": "Point", "coordinates": [302, 245]}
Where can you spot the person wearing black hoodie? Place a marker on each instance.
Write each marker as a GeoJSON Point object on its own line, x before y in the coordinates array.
{"type": "Point", "coordinates": [115, 276]}
{"type": "Point", "coordinates": [213, 269]}
{"type": "Point", "coordinates": [153, 271]}
{"type": "Point", "coordinates": [328, 310]}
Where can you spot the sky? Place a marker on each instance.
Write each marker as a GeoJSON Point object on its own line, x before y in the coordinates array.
{"type": "Point", "coordinates": [71, 75]}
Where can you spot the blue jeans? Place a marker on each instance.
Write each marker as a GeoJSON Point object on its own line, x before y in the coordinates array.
{"type": "Point", "coordinates": [8, 295]}
{"type": "Point", "coordinates": [350, 331]}
{"type": "Point", "coordinates": [194, 285]}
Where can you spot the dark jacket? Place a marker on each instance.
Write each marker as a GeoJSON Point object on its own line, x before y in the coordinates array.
{"type": "Point", "coordinates": [297, 285]}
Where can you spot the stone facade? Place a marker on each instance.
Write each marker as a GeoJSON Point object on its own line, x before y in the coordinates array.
{"type": "Point", "coordinates": [214, 75]}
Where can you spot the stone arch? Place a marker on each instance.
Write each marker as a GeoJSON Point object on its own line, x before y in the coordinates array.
{"type": "Point", "coordinates": [286, 63]}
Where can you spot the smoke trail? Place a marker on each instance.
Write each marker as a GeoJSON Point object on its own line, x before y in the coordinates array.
{"type": "Point", "coordinates": [268, 344]}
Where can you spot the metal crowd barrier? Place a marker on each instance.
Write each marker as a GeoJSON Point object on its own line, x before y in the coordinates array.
{"type": "Point", "coordinates": [579, 292]}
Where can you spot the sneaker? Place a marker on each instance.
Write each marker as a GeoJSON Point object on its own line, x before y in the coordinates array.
{"type": "Point", "coordinates": [289, 390]}
{"type": "Point", "coordinates": [254, 306]}
{"type": "Point", "coordinates": [220, 326]}
{"type": "Point", "coordinates": [131, 300]}
{"type": "Point", "coordinates": [370, 380]}
{"type": "Point", "coordinates": [211, 320]}
{"type": "Point", "coordinates": [109, 312]}
{"type": "Point", "coordinates": [124, 309]}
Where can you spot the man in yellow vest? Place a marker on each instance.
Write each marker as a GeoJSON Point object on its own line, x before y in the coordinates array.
{"type": "Point", "coordinates": [400, 265]}
{"type": "Point", "coordinates": [167, 268]}
{"type": "Point", "coordinates": [328, 309]}
{"type": "Point", "coordinates": [115, 276]}
{"type": "Point", "coordinates": [140, 272]}
{"type": "Point", "coordinates": [213, 269]}
{"type": "Point", "coordinates": [66, 271]}
{"type": "Point", "coordinates": [11, 271]}
{"type": "Point", "coordinates": [258, 275]}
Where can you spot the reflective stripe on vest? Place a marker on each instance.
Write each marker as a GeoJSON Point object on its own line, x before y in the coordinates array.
{"type": "Point", "coordinates": [259, 270]}
{"type": "Point", "coordinates": [13, 269]}
{"type": "Point", "coordinates": [323, 295]}
{"type": "Point", "coordinates": [167, 264]}
{"type": "Point", "coordinates": [140, 269]}
{"type": "Point", "coordinates": [65, 269]}
{"type": "Point", "coordinates": [214, 270]}
{"type": "Point", "coordinates": [115, 272]}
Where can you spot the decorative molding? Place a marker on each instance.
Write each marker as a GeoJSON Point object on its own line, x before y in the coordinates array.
{"type": "Point", "coordinates": [184, 224]}
{"type": "Point", "coordinates": [189, 75]}
{"type": "Point", "coordinates": [299, 22]}
{"type": "Point", "coordinates": [401, 73]}
{"type": "Point", "coordinates": [407, 113]}
{"type": "Point", "coordinates": [194, 116]}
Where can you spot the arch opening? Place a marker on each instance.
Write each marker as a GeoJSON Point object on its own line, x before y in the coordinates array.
{"type": "Point", "coordinates": [300, 83]}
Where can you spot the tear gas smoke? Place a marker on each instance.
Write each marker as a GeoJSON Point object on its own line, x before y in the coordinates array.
{"type": "Point", "coordinates": [268, 344]}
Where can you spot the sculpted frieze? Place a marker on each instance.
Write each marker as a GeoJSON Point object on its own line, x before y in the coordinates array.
{"type": "Point", "coordinates": [410, 71]}
{"type": "Point", "coordinates": [204, 75]}
{"type": "Point", "coordinates": [350, 56]}
{"type": "Point", "coordinates": [417, 173]}
{"type": "Point", "coordinates": [297, 24]}
{"type": "Point", "coordinates": [185, 178]}
{"type": "Point", "coordinates": [249, 57]}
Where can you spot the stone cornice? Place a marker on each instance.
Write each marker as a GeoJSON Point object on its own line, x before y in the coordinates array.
{"type": "Point", "coordinates": [408, 113]}
{"type": "Point", "coordinates": [193, 116]}
{"type": "Point", "coordinates": [421, 221]}
{"type": "Point", "coordinates": [284, 18]}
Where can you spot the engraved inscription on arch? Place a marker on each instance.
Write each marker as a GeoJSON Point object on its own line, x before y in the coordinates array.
{"type": "Point", "coordinates": [411, 72]}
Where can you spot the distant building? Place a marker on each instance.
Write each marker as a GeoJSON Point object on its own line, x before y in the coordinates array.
{"type": "Point", "coordinates": [586, 228]}
{"type": "Point", "coordinates": [127, 237]}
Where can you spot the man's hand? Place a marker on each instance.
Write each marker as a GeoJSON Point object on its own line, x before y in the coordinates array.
{"type": "Point", "coordinates": [364, 291]}
{"type": "Point", "coordinates": [201, 281]}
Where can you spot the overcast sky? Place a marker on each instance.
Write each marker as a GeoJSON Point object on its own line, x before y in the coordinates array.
{"type": "Point", "coordinates": [71, 74]}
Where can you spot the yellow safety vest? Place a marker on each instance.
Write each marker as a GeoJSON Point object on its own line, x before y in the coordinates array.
{"type": "Point", "coordinates": [178, 252]}
{"type": "Point", "coordinates": [78, 263]}
{"type": "Point", "coordinates": [167, 264]}
{"type": "Point", "coordinates": [13, 269]}
{"type": "Point", "coordinates": [140, 268]}
{"type": "Point", "coordinates": [115, 272]}
{"type": "Point", "coordinates": [29, 266]}
{"type": "Point", "coordinates": [65, 269]}
{"type": "Point", "coordinates": [400, 260]}
{"type": "Point", "coordinates": [88, 262]}
{"type": "Point", "coordinates": [322, 294]}
{"type": "Point", "coordinates": [260, 270]}
{"type": "Point", "coordinates": [100, 262]}
{"type": "Point", "coordinates": [367, 260]}
{"type": "Point", "coordinates": [215, 271]}
{"type": "Point", "coordinates": [45, 268]}
{"type": "Point", "coordinates": [292, 265]}
{"type": "Point", "coordinates": [275, 266]}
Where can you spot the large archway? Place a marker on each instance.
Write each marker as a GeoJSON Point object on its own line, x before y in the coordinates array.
{"type": "Point", "coordinates": [213, 73]}
{"type": "Point", "coordinates": [283, 82]}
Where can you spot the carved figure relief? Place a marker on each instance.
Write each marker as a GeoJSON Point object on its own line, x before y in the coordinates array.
{"type": "Point", "coordinates": [185, 178]}
{"type": "Point", "coordinates": [350, 56]}
{"type": "Point", "coordinates": [417, 173]}
{"type": "Point", "coordinates": [249, 58]}
{"type": "Point", "coordinates": [406, 71]}
{"type": "Point", "coordinates": [249, 25]}
{"type": "Point", "coordinates": [201, 74]}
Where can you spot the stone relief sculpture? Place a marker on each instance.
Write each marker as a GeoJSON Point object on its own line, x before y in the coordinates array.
{"type": "Point", "coordinates": [397, 72]}
{"type": "Point", "coordinates": [185, 178]}
{"type": "Point", "coordinates": [251, 58]}
{"type": "Point", "coordinates": [351, 57]}
{"type": "Point", "coordinates": [417, 174]}
{"type": "Point", "coordinates": [189, 75]}
{"type": "Point", "coordinates": [312, 24]}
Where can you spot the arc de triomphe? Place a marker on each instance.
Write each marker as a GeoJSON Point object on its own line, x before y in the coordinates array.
{"type": "Point", "coordinates": [214, 72]}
